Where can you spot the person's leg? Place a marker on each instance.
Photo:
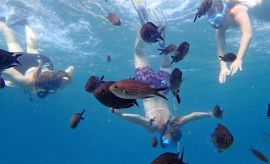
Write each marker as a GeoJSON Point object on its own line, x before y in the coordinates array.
{"type": "Point", "coordinates": [31, 40]}
{"type": "Point", "coordinates": [13, 45]}
{"type": "Point", "coordinates": [140, 58]}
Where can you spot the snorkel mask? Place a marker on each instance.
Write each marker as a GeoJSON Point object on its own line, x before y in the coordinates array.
{"type": "Point", "coordinates": [170, 136]}
{"type": "Point", "coordinates": [217, 13]}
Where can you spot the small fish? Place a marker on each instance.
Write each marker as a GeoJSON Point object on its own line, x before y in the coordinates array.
{"type": "Point", "coordinates": [135, 89]}
{"type": "Point", "coordinates": [114, 19]}
{"type": "Point", "coordinates": [150, 34]}
{"type": "Point", "coordinates": [170, 158]}
{"type": "Point", "coordinates": [222, 138]}
{"type": "Point", "coordinates": [175, 82]}
{"type": "Point", "coordinates": [154, 142]}
{"type": "Point", "coordinates": [109, 58]}
{"type": "Point", "coordinates": [180, 52]}
{"type": "Point", "coordinates": [107, 98]}
{"type": "Point", "coordinates": [229, 57]}
{"type": "Point", "coordinates": [268, 112]}
{"type": "Point", "coordinates": [203, 9]}
{"type": "Point", "coordinates": [75, 119]}
{"type": "Point", "coordinates": [259, 155]}
{"type": "Point", "coordinates": [93, 82]}
{"type": "Point", "coordinates": [169, 49]}
{"type": "Point", "coordinates": [2, 83]}
{"type": "Point", "coordinates": [217, 112]}
{"type": "Point", "coordinates": [8, 59]}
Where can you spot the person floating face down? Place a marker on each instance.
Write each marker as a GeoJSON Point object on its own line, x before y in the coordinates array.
{"type": "Point", "coordinates": [157, 116]}
{"type": "Point", "coordinates": [224, 14]}
{"type": "Point", "coordinates": [35, 72]}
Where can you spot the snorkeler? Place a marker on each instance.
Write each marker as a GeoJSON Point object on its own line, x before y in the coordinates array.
{"type": "Point", "coordinates": [158, 117]}
{"type": "Point", "coordinates": [35, 72]}
{"type": "Point", "coordinates": [224, 14]}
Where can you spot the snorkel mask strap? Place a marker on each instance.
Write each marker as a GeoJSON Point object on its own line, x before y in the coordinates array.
{"type": "Point", "coordinates": [217, 19]}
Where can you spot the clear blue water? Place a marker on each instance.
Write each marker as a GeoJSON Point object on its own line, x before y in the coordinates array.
{"type": "Point", "coordinates": [76, 33]}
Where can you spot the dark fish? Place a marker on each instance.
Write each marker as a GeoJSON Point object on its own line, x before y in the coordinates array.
{"type": "Point", "coordinates": [93, 82]}
{"type": "Point", "coordinates": [75, 119]}
{"type": "Point", "coordinates": [229, 57]}
{"type": "Point", "coordinates": [2, 83]}
{"type": "Point", "coordinates": [170, 48]}
{"type": "Point", "coordinates": [170, 158]}
{"type": "Point", "coordinates": [217, 112]}
{"type": "Point", "coordinates": [150, 33]}
{"type": "Point", "coordinates": [175, 82]}
{"type": "Point", "coordinates": [203, 8]}
{"type": "Point", "coordinates": [114, 19]}
{"type": "Point", "coordinates": [8, 59]}
{"type": "Point", "coordinates": [268, 112]}
{"type": "Point", "coordinates": [109, 58]}
{"type": "Point", "coordinates": [259, 155]}
{"type": "Point", "coordinates": [180, 52]}
{"type": "Point", "coordinates": [222, 138]}
{"type": "Point", "coordinates": [154, 142]}
{"type": "Point", "coordinates": [135, 89]}
{"type": "Point", "coordinates": [107, 98]}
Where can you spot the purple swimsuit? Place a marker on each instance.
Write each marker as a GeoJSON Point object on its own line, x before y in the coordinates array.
{"type": "Point", "coordinates": [147, 75]}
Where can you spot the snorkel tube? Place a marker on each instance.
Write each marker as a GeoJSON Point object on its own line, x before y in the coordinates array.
{"type": "Point", "coordinates": [216, 19]}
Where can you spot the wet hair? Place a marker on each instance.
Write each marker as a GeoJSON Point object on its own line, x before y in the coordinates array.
{"type": "Point", "coordinates": [48, 82]}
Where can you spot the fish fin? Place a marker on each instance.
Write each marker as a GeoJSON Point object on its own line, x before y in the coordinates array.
{"type": "Point", "coordinates": [178, 99]}
{"type": "Point", "coordinates": [82, 118]}
{"type": "Point", "coordinates": [82, 114]}
{"type": "Point", "coordinates": [172, 62]}
{"type": "Point", "coordinates": [102, 77]}
{"type": "Point", "coordinates": [195, 18]}
{"type": "Point", "coordinates": [125, 91]}
{"type": "Point", "coordinates": [152, 24]}
{"type": "Point", "coordinates": [148, 97]}
{"type": "Point", "coordinates": [136, 103]}
{"type": "Point", "coordinates": [161, 95]}
{"type": "Point", "coordinates": [161, 89]}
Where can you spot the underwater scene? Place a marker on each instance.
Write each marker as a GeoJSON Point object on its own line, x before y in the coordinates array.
{"type": "Point", "coordinates": [134, 81]}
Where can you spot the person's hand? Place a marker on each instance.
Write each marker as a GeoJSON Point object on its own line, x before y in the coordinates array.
{"type": "Point", "coordinates": [237, 64]}
{"type": "Point", "coordinates": [224, 71]}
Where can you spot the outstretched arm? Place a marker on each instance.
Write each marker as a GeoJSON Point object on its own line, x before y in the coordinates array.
{"type": "Point", "coordinates": [224, 71]}
{"type": "Point", "coordinates": [180, 121]}
{"type": "Point", "coordinates": [138, 120]}
{"type": "Point", "coordinates": [243, 21]}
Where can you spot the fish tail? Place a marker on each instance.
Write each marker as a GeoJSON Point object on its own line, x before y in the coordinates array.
{"type": "Point", "coordinates": [82, 113]}
{"type": "Point", "coordinates": [136, 103]}
{"type": "Point", "coordinates": [159, 94]}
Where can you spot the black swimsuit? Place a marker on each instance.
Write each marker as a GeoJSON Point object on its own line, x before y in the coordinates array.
{"type": "Point", "coordinates": [29, 60]}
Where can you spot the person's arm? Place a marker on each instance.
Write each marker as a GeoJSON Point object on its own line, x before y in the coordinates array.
{"type": "Point", "coordinates": [243, 21]}
{"type": "Point", "coordinates": [224, 71]}
{"type": "Point", "coordinates": [138, 120]}
{"type": "Point", "coordinates": [180, 121]}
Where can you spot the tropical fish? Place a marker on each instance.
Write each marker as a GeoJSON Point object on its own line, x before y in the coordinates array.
{"type": "Point", "coordinates": [2, 83]}
{"type": "Point", "coordinates": [75, 119]}
{"type": "Point", "coordinates": [93, 82]}
{"type": "Point", "coordinates": [180, 52]}
{"type": "Point", "coordinates": [217, 112]}
{"type": "Point", "coordinates": [170, 48]}
{"type": "Point", "coordinates": [259, 155]}
{"type": "Point", "coordinates": [150, 33]}
{"type": "Point", "coordinates": [268, 112]}
{"type": "Point", "coordinates": [114, 19]}
{"type": "Point", "coordinates": [170, 158]}
{"type": "Point", "coordinates": [107, 98]}
{"type": "Point", "coordinates": [8, 59]}
{"type": "Point", "coordinates": [109, 58]}
{"type": "Point", "coordinates": [222, 138]}
{"type": "Point", "coordinates": [175, 82]}
{"type": "Point", "coordinates": [154, 142]}
{"type": "Point", "coordinates": [135, 89]}
{"type": "Point", "coordinates": [203, 9]}
{"type": "Point", "coordinates": [229, 57]}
